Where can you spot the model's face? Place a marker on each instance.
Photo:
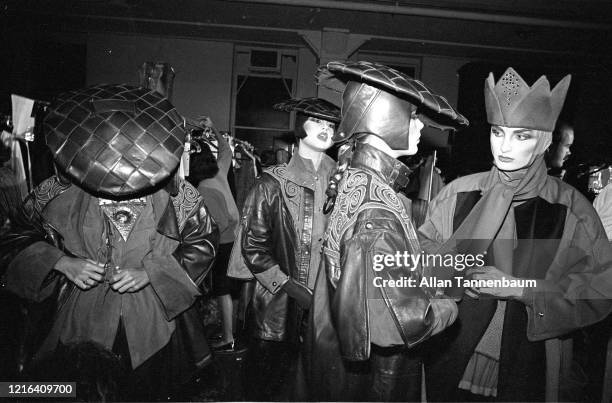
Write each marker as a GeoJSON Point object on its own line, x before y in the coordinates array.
{"type": "Point", "coordinates": [513, 148]}
{"type": "Point", "coordinates": [562, 150]}
{"type": "Point", "coordinates": [319, 134]}
{"type": "Point", "coordinates": [414, 136]}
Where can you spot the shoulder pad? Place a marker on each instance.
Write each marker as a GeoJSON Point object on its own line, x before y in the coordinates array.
{"type": "Point", "coordinates": [46, 191]}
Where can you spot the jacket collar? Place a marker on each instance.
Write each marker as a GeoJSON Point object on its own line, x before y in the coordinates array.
{"type": "Point", "coordinates": [302, 172]}
{"type": "Point", "coordinates": [67, 211]}
{"type": "Point", "coordinates": [389, 169]}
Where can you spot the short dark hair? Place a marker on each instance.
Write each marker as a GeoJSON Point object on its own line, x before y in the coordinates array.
{"type": "Point", "coordinates": [202, 165]}
{"type": "Point", "coordinates": [559, 128]}
{"type": "Point", "coordinates": [299, 131]}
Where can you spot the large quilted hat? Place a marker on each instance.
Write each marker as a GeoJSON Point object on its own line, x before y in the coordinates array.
{"type": "Point", "coordinates": [115, 140]}
{"type": "Point", "coordinates": [315, 107]}
{"type": "Point", "coordinates": [336, 74]}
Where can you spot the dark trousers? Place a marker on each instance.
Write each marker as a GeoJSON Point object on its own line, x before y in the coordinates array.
{"type": "Point", "coordinates": [390, 375]}
{"type": "Point", "coordinates": [151, 381]}
{"type": "Point", "coordinates": [396, 375]}
{"type": "Point", "coordinates": [273, 371]}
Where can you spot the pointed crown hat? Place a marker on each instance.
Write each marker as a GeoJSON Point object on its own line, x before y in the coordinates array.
{"type": "Point", "coordinates": [513, 103]}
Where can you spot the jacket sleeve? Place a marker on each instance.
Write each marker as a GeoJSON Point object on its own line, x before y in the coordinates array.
{"type": "Point", "coordinates": [577, 291]}
{"type": "Point", "coordinates": [198, 244]}
{"type": "Point", "coordinates": [370, 274]}
{"type": "Point", "coordinates": [28, 253]}
{"type": "Point", "coordinates": [176, 276]}
{"type": "Point", "coordinates": [257, 247]}
{"type": "Point", "coordinates": [224, 156]}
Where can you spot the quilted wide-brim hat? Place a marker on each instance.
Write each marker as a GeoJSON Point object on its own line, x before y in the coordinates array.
{"type": "Point", "coordinates": [434, 109]}
{"type": "Point", "coordinates": [315, 107]}
{"type": "Point", "coordinates": [116, 141]}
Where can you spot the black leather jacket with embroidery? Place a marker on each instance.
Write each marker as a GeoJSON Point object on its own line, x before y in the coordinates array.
{"type": "Point", "coordinates": [370, 218]}
{"type": "Point", "coordinates": [277, 244]}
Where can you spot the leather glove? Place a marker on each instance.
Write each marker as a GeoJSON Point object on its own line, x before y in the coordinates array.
{"type": "Point", "coordinates": [445, 312]}
{"type": "Point", "coordinates": [299, 292]}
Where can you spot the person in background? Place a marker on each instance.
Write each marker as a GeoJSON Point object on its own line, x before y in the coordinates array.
{"type": "Point", "coordinates": [10, 190]}
{"type": "Point", "coordinates": [603, 206]}
{"type": "Point", "coordinates": [210, 177]}
{"type": "Point", "coordinates": [283, 225]}
{"type": "Point", "coordinates": [268, 158]}
{"type": "Point", "coordinates": [365, 331]}
{"type": "Point", "coordinates": [510, 341]}
{"type": "Point", "coordinates": [282, 156]}
{"type": "Point", "coordinates": [11, 308]}
{"type": "Point", "coordinates": [560, 149]}
{"type": "Point", "coordinates": [428, 182]}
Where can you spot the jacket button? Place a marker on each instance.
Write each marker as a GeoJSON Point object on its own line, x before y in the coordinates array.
{"type": "Point", "coordinates": [274, 283]}
{"type": "Point", "coordinates": [306, 252]}
{"type": "Point", "coordinates": [369, 225]}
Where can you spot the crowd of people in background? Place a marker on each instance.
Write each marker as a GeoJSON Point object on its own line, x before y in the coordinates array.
{"type": "Point", "coordinates": [103, 264]}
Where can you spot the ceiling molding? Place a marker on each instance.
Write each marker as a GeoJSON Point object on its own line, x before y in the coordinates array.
{"type": "Point", "coordinates": [293, 37]}
{"type": "Point", "coordinates": [438, 13]}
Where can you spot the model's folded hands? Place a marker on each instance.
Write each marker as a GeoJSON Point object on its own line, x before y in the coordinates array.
{"type": "Point", "coordinates": [87, 273]}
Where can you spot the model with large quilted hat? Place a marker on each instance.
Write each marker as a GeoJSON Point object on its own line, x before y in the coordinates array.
{"type": "Point", "coordinates": [380, 100]}
{"type": "Point", "coordinates": [358, 318]}
{"type": "Point", "coordinates": [117, 141]}
{"type": "Point", "coordinates": [127, 255]}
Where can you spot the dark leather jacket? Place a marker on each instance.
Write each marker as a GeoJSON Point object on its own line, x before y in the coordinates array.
{"type": "Point", "coordinates": [277, 243]}
{"type": "Point", "coordinates": [370, 218]}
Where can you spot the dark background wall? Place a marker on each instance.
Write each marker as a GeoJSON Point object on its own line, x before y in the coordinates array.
{"type": "Point", "coordinates": [51, 46]}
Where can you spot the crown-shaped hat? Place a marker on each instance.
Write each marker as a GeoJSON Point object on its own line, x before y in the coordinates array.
{"type": "Point", "coordinates": [513, 103]}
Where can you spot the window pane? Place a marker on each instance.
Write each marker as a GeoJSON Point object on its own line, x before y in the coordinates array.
{"type": "Point", "coordinates": [255, 99]}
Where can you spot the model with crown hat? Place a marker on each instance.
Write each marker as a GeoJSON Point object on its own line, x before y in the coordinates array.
{"type": "Point", "coordinates": [368, 316]}
{"type": "Point", "coordinates": [507, 341]}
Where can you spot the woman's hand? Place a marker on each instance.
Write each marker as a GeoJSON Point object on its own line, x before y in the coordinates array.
{"type": "Point", "coordinates": [445, 312]}
{"type": "Point", "coordinates": [84, 273]}
{"type": "Point", "coordinates": [129, 280]}
{"type": "Point", "coordinates": [492, 273]}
